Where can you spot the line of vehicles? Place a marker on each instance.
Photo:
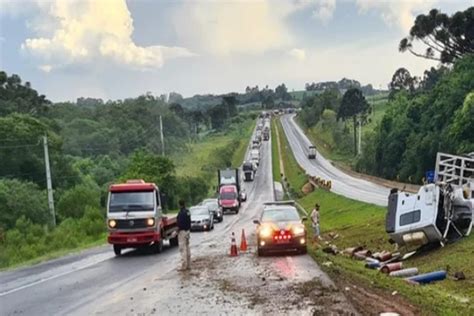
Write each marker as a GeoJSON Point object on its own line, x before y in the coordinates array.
{"type": "Point", "coordinates": [135, 217]}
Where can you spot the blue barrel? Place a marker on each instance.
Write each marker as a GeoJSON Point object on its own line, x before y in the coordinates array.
{"type": "Point", "coordinates": [372, 265]}
{"type": "Point", "coordinates": [428, 277]}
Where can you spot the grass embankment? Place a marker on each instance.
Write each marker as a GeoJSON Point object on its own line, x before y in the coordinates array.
{"type": "Point", "coordinates": [329, 148]}
{"type": "Point", "coordinates": [275, 157]}
{"type": "Point", "coordinates": [359, 223]}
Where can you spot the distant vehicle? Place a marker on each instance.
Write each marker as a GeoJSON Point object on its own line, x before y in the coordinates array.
{"type": "Point", "coordinates": [214, 208]}
{"type": "Point", "coordinates": [229, 189]}
{"type": "Point", "coordinates": [266, 134]}
{"type": "Point", "coordinates": [255, 156]}
{"type": "Point", "coordinates": [311, 152]}
{"type": "Point", "coordinates": [280, 228]}
{"type": "Point", "coordinates": [248, 168]}
{"type": "Point", "coordinates": [201, 218]}
{"type": "Point", "coordinates": [135, 218]}
{"type": "Point", "coordinates": [258, 135]}
{"type": "Point", "coordinates": [440, 212]}
{"type": "Point", "coordinates": [255, 144]}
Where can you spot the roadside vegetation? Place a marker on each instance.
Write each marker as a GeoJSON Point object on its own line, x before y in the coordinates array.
{"type": "Point", "coordinates": [91, 144]}
{"type": "Point", "coordinates": [420, 116]}
{"type": "Point", "coordinates": [362, 224]}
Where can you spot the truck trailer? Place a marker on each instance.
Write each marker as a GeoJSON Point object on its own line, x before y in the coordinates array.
{"type": "Point", "coordinates": [135, 217]}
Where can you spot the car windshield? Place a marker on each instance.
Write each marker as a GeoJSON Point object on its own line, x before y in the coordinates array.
{"type": "Point", "coordinates": [199, 211]}
{"type": "Point", "coordinates": [212, 205]}
{"type": "Point", "coordinates": [131, 201]}
{"type": "Point", "coordinates": [228, 196]}
{"type": "Point", "coordinates": [280, 215]}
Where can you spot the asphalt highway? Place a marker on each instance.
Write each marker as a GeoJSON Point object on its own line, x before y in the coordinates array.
{"type": "Point", "coordinates": [95, 282]}
{"type": "Point", "coordinates": [342, 183]}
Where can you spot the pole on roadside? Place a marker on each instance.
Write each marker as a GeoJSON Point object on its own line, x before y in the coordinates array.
{"type": "Point", "coordinates": [162, 137]}
{"type": "Point", "coordinates": [360, 137]}
{"type": "Point", "coordinates": [49, 184]}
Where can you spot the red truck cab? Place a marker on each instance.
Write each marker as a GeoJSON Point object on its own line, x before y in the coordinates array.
{"type": "Point", "coordinates": [135, 219]}
{"type": "Point", "coordinates": [229, 198]}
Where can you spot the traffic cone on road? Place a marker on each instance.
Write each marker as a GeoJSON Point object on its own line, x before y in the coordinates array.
{"type": "Point", "coordinates": [233, 246]}
{"type": "Point", "coordinates": [243, 242]}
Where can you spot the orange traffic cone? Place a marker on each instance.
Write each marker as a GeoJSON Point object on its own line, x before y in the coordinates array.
{"type": "Point", "coordinates": [233, 246]}
{"type": "Point", "coordinates": [243, 242]}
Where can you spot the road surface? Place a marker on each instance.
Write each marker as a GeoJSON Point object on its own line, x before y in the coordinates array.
{"type": "Point", "coordinates": [95, 282]}
{"type": "Point", "coordinates": [342, 183]}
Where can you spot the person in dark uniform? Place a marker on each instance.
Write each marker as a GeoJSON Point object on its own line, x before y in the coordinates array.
{"type": "Point", "coordinates": [184, 227]}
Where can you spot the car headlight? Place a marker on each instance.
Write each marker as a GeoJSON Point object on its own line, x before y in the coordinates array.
{"type": "Point", "coordinates": [298, 230]}
{"type": "Point", "coordinates": [150, 222]}
{"type": "Point", "coordinates": [112, 223]}
{"type": "Point", "coordinates": [266, 231]}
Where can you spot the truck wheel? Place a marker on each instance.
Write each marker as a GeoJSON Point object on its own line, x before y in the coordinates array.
{"type": "Point", "coordinates": [117, 250]}
{"type": "Point", "coordinates": [237, 211]}
{"type": "Point", "coordinates": [174, 241]}
{"type": "Point", "coordinates": [158, 246]}
{"type": "Point", "coordinates": [260, 252]}
{"type": "Point", "coordinates": [303, 251]}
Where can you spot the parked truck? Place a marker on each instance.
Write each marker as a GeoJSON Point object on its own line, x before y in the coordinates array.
{"type": "Point", "coordinates": [135, 218]}
{"type": "Point", "coordinates": [229, 190]}
{"type": "Point", "coordinates": [441, 212]}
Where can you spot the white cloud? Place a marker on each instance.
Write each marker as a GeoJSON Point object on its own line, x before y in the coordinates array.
{"type": "Point", "coordinates": [227, 27]}
{"type": "Point", "coordinates": [87, 30]}
{"type": "Point", "coordinates": [45, 68]}
{"type": "Point", "coordinates": [298, 54]}
{"type": "Point", "coordinates": [402, 12]}
{"type": "Point", "coordinates": [324, 10]}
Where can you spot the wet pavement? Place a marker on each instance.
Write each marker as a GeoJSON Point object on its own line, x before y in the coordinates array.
{"type": "Point", "coordinates": [342, 183]}
{"type": "Point", "coordinates": [95, 282]}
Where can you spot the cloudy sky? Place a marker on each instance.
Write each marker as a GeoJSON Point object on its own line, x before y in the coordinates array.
{"type": "Point", "coordinates": [117, 48]}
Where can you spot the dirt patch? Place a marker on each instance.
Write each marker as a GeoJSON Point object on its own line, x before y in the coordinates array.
{"type": "Point", "coordinates": [373, 301]}
{"type": "Point", "coordinates": [257, 285]}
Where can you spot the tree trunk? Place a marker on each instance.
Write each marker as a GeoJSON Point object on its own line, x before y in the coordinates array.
{"type": "Point", "coordinates": [355, 134]}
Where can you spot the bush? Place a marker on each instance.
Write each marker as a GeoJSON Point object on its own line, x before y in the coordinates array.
{"type": "Point", "coordinates": [28, 240]}
{"type": "Point", "coordinates": [19, 198]}
{"type": "Point", "coordinates": [74, 202]}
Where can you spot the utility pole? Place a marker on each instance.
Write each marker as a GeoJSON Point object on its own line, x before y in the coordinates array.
{"type": "Point", "coordinates": [360, 136]}
{"type": "Point", "coordinates": [49, 184]}
{"type": "Point", "coordinates": [162, 137]}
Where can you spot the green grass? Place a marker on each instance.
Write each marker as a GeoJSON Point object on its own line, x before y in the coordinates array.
{"type": "Point", "coordinates": [275, 158]}
{"type": "Point", "coordinates": [102, 240]}
{"type": "Point", "coordinates": [359, 223]}
{"type": "Point", "coordinates": [295, 175]}
{"type": "Point", "coordinates": [200, 151]}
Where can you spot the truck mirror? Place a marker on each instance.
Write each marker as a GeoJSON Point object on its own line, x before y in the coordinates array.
{"type": "Point", "coordinates": [256, 221]}
{"type": "Point", "coordinates": [304, 218]}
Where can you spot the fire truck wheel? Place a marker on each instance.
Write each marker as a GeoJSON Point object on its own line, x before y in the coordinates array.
{"type": "Point", "coordinates": [117, 250]}
{"type": "Point", "coordinates": [174, 241]}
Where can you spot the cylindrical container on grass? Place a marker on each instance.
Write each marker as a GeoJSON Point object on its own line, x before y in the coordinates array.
{"type": "Point", "coordinates": [390, 267]}
{"type": "Point", "coordinates": [404, 273]}
{"type": "Point", "coordinates": [428, 277]}
{"type": "Point", "coordinates": [372, 265]}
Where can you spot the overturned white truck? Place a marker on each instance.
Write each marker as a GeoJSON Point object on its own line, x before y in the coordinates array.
{"type": "Point", "coordinates": [441, 212]}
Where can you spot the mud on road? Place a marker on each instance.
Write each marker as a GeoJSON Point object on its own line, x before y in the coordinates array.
{"type": "Point", "coordinates": [268, 285]}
